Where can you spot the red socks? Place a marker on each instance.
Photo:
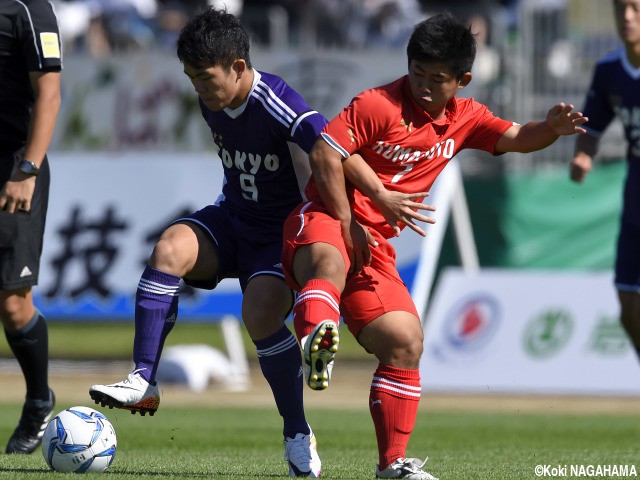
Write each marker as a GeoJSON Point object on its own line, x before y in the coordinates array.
{"type": "Point", "coordinates": [317, 301]}
{"type": "Point", "coordinates": [393, 403]}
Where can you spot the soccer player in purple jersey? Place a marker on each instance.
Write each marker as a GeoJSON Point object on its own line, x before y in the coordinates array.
{"type": "Point", "coordinates": [260, 126]}
{"type": "Point", "coordinates": [615, 91]}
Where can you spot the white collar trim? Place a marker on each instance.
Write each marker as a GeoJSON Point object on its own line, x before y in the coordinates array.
{"type": "Point", "coordinates": [626, 64]}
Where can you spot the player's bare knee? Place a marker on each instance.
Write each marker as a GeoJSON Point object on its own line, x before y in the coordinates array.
{"type": "Point", "coordinates": [260, 327]}
{"type": "Point", "coordinates": [410, 353]}
{"type": "Point", "coordinates": [167, 256]}
{"type": "Point", "coordinates": [263, 315]}
{"type": "Point", "coordinates": [322, 261]}
{"type": "Point", "coordinates": [15, 311]}
{"type": "Point", "coordinates": [399, 350]}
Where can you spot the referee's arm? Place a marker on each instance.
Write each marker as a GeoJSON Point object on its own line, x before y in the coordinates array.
{"type": "Point", "coordinates": [46, 88]}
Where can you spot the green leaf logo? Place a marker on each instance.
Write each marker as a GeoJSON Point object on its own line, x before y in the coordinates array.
{"type": "Point", "coordinates": [547, 333]}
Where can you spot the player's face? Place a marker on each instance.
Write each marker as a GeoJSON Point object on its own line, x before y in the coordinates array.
{"type": "Point", "coordinates": [217, 87]}
{"type": "Point", "coordinates": [433, 85]}
{"type": "Point", "coordinates": [627, 14]}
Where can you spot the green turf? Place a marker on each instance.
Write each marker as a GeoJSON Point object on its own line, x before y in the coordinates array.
{"type": "Point", "coordinates": [245, 443]}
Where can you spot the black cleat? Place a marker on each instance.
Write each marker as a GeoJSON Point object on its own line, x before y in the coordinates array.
{"type": "Point", "coordinates": [28, 434]}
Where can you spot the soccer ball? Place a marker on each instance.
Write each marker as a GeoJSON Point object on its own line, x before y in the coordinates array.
{"type": "Point", "coordinates": [79, 439]}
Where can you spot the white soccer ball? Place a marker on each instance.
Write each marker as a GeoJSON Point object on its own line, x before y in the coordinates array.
{"type": "Point", "coordinates": [79, 439]}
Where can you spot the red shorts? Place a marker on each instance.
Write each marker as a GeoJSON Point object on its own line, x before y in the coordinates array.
{"type": "Point", "coordinates": [376, 290]}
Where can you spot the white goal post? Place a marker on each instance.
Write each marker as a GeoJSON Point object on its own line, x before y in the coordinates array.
{"type": "Point", "coordinates": [447, 195]}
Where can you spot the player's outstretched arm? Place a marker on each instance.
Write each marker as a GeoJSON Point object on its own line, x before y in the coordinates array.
{"type": "Point", "coordinates": [397, 207]}
{"type": "Point", "coordinates": [561, 120]}
{"type": "Point", "coordinates": [580, 166]}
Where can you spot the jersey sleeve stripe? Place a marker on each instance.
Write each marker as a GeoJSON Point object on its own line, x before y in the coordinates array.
{"type": "Point", "coordinates": [269, 108]}
{"type": "Point", "coordinates": [33, 31]}
{"type": "Point", "coordinates": [262, 86]}
{"type": "Point", "coordinates": [273, 114]}
{"type": "Point", "coordinates": [335, 145]}
{"type": "Point", "coordinates": [274, 108]}
{"type": "Point", "coordinates": [299, 120]}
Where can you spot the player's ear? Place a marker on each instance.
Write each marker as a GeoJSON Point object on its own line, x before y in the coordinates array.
{"type": "Point", "coordinates": [465, 80]}
{"type": "Point", "coordinates": [239, 67]}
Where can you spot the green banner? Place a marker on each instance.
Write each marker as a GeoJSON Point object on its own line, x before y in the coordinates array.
{"type": "Point", "coordinates": [544, 220]}
{"type": "Point", "coordinates": [551, 222]}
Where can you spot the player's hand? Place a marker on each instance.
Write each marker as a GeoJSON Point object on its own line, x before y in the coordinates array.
{"type": "Point", "coordinates": [402, 208]}
{"type": "Point", "coordinates": [579, 167]}
{"type": "Point", "coordinates": [17, 193]}
{"type": "Point", "coordinates": [564, 121]}
{"type": "Point", "coordinates": [358, 240]}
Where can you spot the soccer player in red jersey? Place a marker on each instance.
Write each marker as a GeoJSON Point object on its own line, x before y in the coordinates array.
{"type": "Point", "coordinates": [406, 131]}
{"type": "Point", "coordinates": [615, 92]}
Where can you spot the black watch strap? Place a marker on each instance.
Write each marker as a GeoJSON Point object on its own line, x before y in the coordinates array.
{"type": "Point", "coordinates": [28, 167]}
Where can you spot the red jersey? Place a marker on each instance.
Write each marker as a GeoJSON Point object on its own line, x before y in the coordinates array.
{"type": "Point", "coordinates": [403, 144]}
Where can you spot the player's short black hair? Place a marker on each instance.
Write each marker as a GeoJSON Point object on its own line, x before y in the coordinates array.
{"type": "Point", "coordinates": [443, 39]}
{"type": "Point", "coordinates": [213, 38]}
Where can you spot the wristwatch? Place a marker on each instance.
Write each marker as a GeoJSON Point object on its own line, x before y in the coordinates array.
{"type": "Point", "coordinates": [28, 167]}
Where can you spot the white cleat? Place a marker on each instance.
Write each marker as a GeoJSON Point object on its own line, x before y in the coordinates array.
{"type": "Point", "coordinates": [410, 468]}
{"type": "Point", "coordinates": [302, 454]}
{"type": "Point", "coordinates": [134, 393]}
{"type": "Point", "coordinates": [319, 349]}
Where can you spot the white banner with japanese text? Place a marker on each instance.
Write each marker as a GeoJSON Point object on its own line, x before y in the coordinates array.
{"type": "Point", "coordinates": [106, 212]}
{"type": "Point", "coordinates": [514, 331]}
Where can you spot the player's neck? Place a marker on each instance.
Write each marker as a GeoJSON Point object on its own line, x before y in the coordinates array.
{"type": "Point", "coordinates": [438, 115]}
{"type": "Point", "coordinates": [246, 82]}
{"type": "Point", "coordinates": [633, 54]}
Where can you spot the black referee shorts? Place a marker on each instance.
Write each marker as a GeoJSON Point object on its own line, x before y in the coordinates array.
{"type": "Point", "coordinates": [22, 233]}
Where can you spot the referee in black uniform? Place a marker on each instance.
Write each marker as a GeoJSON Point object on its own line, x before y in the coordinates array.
{"type": "Point", "coordinates": [30, 64]}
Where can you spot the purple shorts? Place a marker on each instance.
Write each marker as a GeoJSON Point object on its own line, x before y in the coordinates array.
{"type": "Point", "coordinates": [244, 250]}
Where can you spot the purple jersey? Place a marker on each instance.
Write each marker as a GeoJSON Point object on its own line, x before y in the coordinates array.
{"type": "Point", "coordinates": [615, 92]}
{"type": "Point", "coordinates": [253, 141]}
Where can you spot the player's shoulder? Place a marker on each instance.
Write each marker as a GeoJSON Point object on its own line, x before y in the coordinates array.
{"type": "Point", "coordinates": [611, 58]}
{"type": "Point", "coordinates": [384, 97]}
{"type": "Point", "coordinates": [274, 85]}
{"type": "Point", "coordinates": [13, 8]}
{"type": "Point", "coordinates": [272, 89]}
{"type": "Point", "coordinates": [24, 7]}
{"type": "Point", "coordinates": [30, 15]}
{"type": "Point", "coordinates": [464, 108]}
{"type": "Point", "coordinates": [391, 91]}
{"type": "Point", "coordinates": [34, 3]}
{"type": "Point", "coordinates": [277, 98]}
{"type": "Point", "coordinates": [270, 79]}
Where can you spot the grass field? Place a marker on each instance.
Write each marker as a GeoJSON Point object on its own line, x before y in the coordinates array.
{"type": "Point", "coordinates": [236, 435]}
{"type": "Point", "coordinates": [242, 443]}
